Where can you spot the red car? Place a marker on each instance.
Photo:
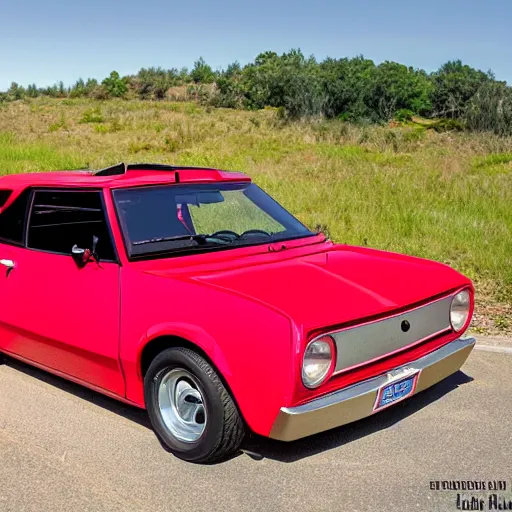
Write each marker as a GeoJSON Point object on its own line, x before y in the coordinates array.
{"type": "Point", "coordinates": [192, 293]}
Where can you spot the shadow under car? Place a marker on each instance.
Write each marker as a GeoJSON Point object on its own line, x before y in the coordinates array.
{"type": "Point", "coordinates": [259, 447]}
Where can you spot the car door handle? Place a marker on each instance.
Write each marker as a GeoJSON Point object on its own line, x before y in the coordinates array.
{"type": "Point", "coordinates": [7, 263]}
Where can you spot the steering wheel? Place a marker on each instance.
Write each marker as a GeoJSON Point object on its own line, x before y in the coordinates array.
{"type": "Point", "coordinates": [225, 234]}
{"type": "Point", "coordinates": [255, 232]}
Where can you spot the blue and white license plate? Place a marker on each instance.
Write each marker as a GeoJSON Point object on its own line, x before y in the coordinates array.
{"type": "Point", "coordinates": [395, 392]}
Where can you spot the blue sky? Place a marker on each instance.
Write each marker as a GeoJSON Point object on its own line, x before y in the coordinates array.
{"type": "Point", "coordinates": [51, 40]}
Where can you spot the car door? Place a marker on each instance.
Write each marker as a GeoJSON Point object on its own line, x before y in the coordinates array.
{"type": "Point", "coordinates": [53, 313]}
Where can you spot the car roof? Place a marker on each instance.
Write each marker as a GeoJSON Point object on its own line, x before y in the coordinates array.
{"type": "Point", "coordinates": [117, 176]}
{"type": "Point", "coordinates": [132, 175]}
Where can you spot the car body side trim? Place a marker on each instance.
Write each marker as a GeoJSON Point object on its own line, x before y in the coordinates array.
{"type": "Point", "coordinates": [71, 378]}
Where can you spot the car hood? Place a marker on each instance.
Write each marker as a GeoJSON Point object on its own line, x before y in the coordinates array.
{"type": "Point", "coordinates": [332, 285]}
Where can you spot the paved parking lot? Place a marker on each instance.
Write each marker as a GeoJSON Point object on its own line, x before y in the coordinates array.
{"type": "Point", "coordinates": [63, 447]}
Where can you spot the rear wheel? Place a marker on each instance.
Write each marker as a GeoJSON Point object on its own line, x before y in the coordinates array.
{"type": "Point", "coordinates": [190, 409]}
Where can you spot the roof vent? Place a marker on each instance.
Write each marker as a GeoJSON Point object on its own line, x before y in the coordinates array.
{"type": "Point", "coordinates": [112, 171]}
{"type": "Point", "coordinates": [123, 168]}
{"type": "Point", "coordinates": [164, 167]}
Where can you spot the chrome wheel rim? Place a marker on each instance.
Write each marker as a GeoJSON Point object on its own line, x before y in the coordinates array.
{"type": "Point", "coordinates": [181, 405]}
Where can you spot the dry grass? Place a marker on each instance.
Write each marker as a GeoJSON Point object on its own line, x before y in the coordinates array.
{"type": "Point", "coordinates": [442, 196]}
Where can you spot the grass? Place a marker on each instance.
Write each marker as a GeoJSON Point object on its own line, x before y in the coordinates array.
{"type": "Point", "coordinates": [235, 213]}
{"type": "Point", "coordinates": [444, 196]}
{"type": "Point", "coordinates": [18, 156]}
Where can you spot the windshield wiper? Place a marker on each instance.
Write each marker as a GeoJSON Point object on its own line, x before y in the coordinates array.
{"type": "Point", "coordinates": [201, 239]}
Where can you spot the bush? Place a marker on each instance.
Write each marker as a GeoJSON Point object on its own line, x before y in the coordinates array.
{"type": "Point", "coordinates": [90, 86]}
{"type": "Point", "coordinates": [202, 73]}
{"type": "Point", "coordinates": [355, 90]}
{"type": "Point", "coordinates": [115, 86]}
{"type": "Point", "coordinates": [32, 91]}
{"type": "Point", "coordinates": [404, 115]}
{"type": "Point", "coordinates": [92, 115]}
{"type": "Point", "coordinates": [15, 92]}
{"type": "Point", "coordinates": [153, 83]}
{"type": "Point", "coordinates": [394, 87]}
{"type": "Point", "coordinates": [446, 125]}
{"type": "Point", "coordinates": [99, 93]}
{"type": "Point", "coordinates": [490, 109]}
{"type": "Point", "coordinates": [78, 90]}
{"type": "Point", "coordinates": [230, 92]}
{"type": "Point", "coordinates": [58, 125]}
{"type": "Point", "coordinates": [454, 85]}
{"type": "Point", "coordinates": [290, 81]}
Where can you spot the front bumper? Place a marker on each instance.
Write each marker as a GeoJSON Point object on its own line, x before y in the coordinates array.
{"type": "Point", "coordinates": [357, 401]}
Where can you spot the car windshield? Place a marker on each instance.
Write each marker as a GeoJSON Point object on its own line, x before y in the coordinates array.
{"type": "Point", "coordinates": [177, 219]}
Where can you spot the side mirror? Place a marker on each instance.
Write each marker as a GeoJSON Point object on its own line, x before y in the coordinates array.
{"type": "Point", "coordinates": [95, 241]}
{"type": "Point", "coordinates": [81, 256]}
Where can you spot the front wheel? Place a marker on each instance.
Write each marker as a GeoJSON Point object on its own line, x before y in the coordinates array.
{"type": "Point", "coordinates": [191, 411]}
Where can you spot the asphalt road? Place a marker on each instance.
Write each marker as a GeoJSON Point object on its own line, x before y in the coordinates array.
{"type": "Point", "coordinates": [64, 448]}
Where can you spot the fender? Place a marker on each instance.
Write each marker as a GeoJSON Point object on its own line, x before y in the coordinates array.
{"type": "Point", "coordinates": [192, 333]}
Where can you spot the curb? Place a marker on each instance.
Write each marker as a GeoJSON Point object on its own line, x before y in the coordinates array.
{"type": "Point", "coordinates": [496, 344]}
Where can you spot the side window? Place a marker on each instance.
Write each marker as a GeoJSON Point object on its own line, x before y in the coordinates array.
{"type": "Point", "coordinates": [61, 219]}
{"type": "Point", "coordinates": [4, 195]}
{"type": "Point", "coordinates": [12, 220]}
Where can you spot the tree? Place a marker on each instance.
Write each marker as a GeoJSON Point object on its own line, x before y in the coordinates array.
{"type": "Point", "coordinates": [155, 82]}
{"type": "Point", "coordinates": [349, 88]}
{"type": "Point", "coordinates": [290, 81]}
{"type": "Point", "coordinates": [51, 91]}
{"type": "Point", "coordinates": [183, 76]}
{"type": "Point", "coordinates": [202, 73]}
{"type": "Point", "coordinates": [78, 89]}
{"type": "Point", "coordinates": [265, 57]}
{"type": "Point", "coordinates": [347, 84]}
{"type": "Point", "coordinates": [230, 89]}
{"type": "Point", "coordinates": [32, 91]}
{"type": "Point", "coordinates": [490, 109]}
{"type": "Point", "coordinates": [454, 84]}
{"type": "Point", "coordinates": [62, 90]}
{"type": "Point", "coordinates": [233, 70]}
{"type": "Point", "coordinates": [90, 86]}
{"type": "Point", "coordinates": [115, 86]}
{"type": "Point", "coordinates": [15, 92]}
{"type": "Point", "coordinates": [394, 87]}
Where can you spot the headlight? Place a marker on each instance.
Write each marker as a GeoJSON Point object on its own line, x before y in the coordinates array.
{"type": "Point", "coordinates": [318, 361]}
{"type": "Point", "coordinates": [459, 310]}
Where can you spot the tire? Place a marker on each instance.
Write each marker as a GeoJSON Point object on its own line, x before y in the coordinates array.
{"type": "Point", "coordinates": [180, 385]}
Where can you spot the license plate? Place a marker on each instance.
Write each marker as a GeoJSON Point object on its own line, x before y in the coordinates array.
{"type": "Point", "coordinates": [395, 392]}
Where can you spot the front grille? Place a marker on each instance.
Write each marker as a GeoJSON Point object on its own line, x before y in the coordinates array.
{"type": "Point", "coordinates": [360, 345]}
